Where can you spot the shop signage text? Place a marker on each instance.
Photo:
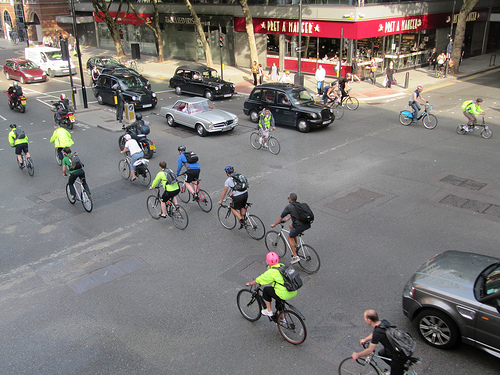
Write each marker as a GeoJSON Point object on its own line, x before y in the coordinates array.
{"type": "Point", "coordinates": [183, 20]}
{"type": "Point", "coordinates": [289, 27]}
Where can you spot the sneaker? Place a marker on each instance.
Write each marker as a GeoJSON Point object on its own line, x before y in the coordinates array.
{"type": "Point", "coordinates": [196, 197]}
{"type": "Point", "coordinates": [266, 312]}
{"type": "Point", "coordinates": [261, 140]}
{"type": "Point", "coordinates": [265, 145]}
{"type": "Point", "coordinates": [295, 260]}
{"type": "Point", "coordinates": [283, 321]}
{"type": "Point", "coordinates": [242, 223]}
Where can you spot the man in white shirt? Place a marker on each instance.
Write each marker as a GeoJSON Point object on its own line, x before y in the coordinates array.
{"type": "Point", "coordinates": [135, 150]}
{"type": "Point", "coordinates": [320, 79]}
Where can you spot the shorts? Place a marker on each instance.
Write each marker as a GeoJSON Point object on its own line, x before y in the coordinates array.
{"type": "Point", "coordinates": [169, 194]}
{"type": "Point", "coordinates": [192, 175]}
{"type": "Point", "coordinates": [265, 132]}
{"type": "Point", "coordinates": [21, 147]}
{"type": "Point", "coordinates": [295, 232]}
{"type": "Point", "coordinates": [240, 201]}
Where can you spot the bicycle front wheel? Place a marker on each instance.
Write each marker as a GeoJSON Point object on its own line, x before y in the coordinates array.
{"type": "Point", "coordinates": [30, 167]}
{"type": "Point", "coordinates": [72, 200]}
{"type": "Point", "coordinates": [184, 192]}
{"type": "Point", "coordinates": [358, 367]}
{"type": "Point", "coordinates": [248, 305]}
{"type": "Point", "coordinates": [292, 327]}
{"type": "Point", "coordinates": [274, 145]}
{"type": "Point", "coordinates": [338, 111]}
{"type": "Point", "coordinates": [255, 140]}
{"type": "Point", "coordinates": [226, 217]}
{"type": "Point", "coordinates": [180, 217]}
{"type": "Point", "coordinates": [124, 169]}
{"type": "Point", "coordinates": [154, 206]}
{"type": "Point", "coordinates": [144, 178]}
{"type": "Point", "coordinates": [351, 103]}
{"type": "Point", "coordinates": [204, 201]}
{"type": "Point", "coordinates": [486, 133]}
{"type": "Point", "coordinates": [430, 121]}
{"type": "Point", "coordinates": [309, 259]}
{"type": "Point", "coordinates": [58, 160]}
{"type": "Point", "coordinates": [255, 227]}
{"type": "Point", "coordinates": [276, 243]}
{"type": "Point", "coordinates": [87, 201]}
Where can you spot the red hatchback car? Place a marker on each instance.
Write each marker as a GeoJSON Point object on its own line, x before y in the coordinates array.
{"type": "Point", "coordinates": [24, 71]}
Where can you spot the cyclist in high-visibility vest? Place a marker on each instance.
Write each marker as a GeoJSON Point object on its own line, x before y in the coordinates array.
{"type": "Point", "coordinates": [471, 110]}
{"type": "Point", "coordinates": [266, 121]}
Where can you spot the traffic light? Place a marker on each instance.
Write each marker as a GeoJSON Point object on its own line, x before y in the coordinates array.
{"type": "Point", "coordinates": [64, 49]}
{"type": "Point", "coordinates": [222, 40]}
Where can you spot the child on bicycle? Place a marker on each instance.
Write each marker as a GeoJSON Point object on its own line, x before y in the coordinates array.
{"type": "Point", "coordinates": [272, 276]}
{"type": "Point", "coordinates": [20, 142]}
{"type": "Point", "coordinates": [168, 179]}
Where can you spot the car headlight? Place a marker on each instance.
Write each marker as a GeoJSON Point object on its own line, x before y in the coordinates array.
{"type": "Point", "coordinates": [233, 85]}
{"type": "Point", "coordinates": [153, 94]}
{"type": "Point", "coordinates": [134, 98]}
{"type": "Point", "coordinates": [314, 115]}
{"type": "Point", "coordinates": [235, 121]}
{"type": "Point", "coordinates": [210, 125]}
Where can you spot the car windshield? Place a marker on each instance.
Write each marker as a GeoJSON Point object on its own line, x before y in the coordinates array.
{"type": "Point", "coordinates": [210, 74]}
{"type": "Point", "coordinates": [54, 55]}
{"type": "Point", "coordinates": [110, 60]}
{"type": "Point", "coordinates": [131, 82]}
{"type": "Point", "coordinates": [201, 107]}
{"type": "Point", "coordinates": [28, 65]}
{"type": "Point", "coordinates": [492, 282]}
{"type": "Point", "coordinates": [301, 96]}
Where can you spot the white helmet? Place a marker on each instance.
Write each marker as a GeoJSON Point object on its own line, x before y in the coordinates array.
{"type": "Point", "coordinates": [127, 137]}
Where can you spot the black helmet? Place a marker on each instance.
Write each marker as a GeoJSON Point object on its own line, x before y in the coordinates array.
{"type": "Point", "coordinates": [479, 100]}
{"type": "Point", "coordinates": [229, 169]}
{"type": "Point", "coordinates": [13, 126]}
{"type": "Point", "coordinates": [138, 116]}
{"type": "Point", "coordinates": [181, 148]}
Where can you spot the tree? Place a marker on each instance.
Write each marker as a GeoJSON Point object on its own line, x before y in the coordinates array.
{"type": "Point", "coordinates": [460, 32]}
{"type": "Point", "coordinates": [201, 33]}
{"type": "Point", "coordinates": [155, 27]}
{"type": "Point", "coordinates": [249, 26]}
{"type": "Point", "coordinates": [102, 6]}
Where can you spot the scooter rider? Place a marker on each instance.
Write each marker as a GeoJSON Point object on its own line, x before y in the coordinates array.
{"type": "Point", "coordinates": [62, 107]}
{"type": "Point", "coordinates": [15, 91]}
{"type": "Point", "coordinates": [135, 128]}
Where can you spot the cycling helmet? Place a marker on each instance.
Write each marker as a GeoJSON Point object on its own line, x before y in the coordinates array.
{"type": "Point", "coordinates": [15, 84]}
{"type": "Point", "coordinates": [63, 96]}
{"type": "Point", "coordinates": [181, 148]}
{"type": "Point", "coordinates": [420, 88]}
{"type": "Point", "coordinates": [127, 136]}
{"type": "Point", "coordinates": [138, 116]}
{"type": "Point", "coordinates": [479, 100]}
{"type": "Point", "coordinates": [229, 169]}
{"type": "Point", "coordinates": [13, 126]}
{"type": "Point", "coordinates": [272, 258]}
{"type": "Point", "coordinates": [287, 72]}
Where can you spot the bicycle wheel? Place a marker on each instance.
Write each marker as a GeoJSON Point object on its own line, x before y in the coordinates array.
{"type": "Point", "coordinates": [226, 217]}
{"type": "Point", "coordinates": [68, 194]}
{"type": "Point", "coordinates": [338, 111]}
{"type": "Point", "coordinates": [461, 129]}
{"type": "Point", "coordinates": [180, 217]}
{"type": "Point", "coordinates": [144, 178]}
{"type": "Point", "coordinates": [87, 201]}
{"type": "Point", "coordinates": [309, 259]}
{"type": "Point", "coordinates": [274, 145]}
{"type": "Point", "coordinates": [358, 367]}
{"type": "Point", "coordinates": [154, 206]}
{"type": "Point", "coordinates": [255, 227]}
{"type": "Point", "coordinates": [184, 193]}
{"type": "Point", "coordinates": [58, 160]}
{"type": "Point", "coordinates": [204, 201]}
{"type": "Point", "coordinates": [351, 103]}
{"type": "Point", "coordinates": [124, 169]}
{"type": "Point", "coordinates": [137, 67]}
{"type": "Point", "coordinates": [248, 305]}
{"type": "Point", "coordinates": [486, 133]}
{"type": "Point", "coordinates": [30, 167]}
{"type": "Point", "coordinates": [255, 140]}
{"type": "Point", "coordinates": [430, 121]}
{"type": "Point", "coordinates": [292, 327]}
{"type": "Point", "coordinates": [405, 119]}
{"type": "Point", "coordinates": [276, 243]}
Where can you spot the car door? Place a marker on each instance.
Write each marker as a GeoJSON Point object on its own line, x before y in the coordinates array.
{"type": "Point", "coordinates": [105, 89]}
{"type": "Point", "coordinates": [16, 72]}
{"type": "Point", "coordinates": [284, 115]}
{"type": "Point", "coordinates": [181, 115]}
{"type": "Point", "coordinates": [196, 83]}
{"type": "Point", "coordinates": [488, 327]}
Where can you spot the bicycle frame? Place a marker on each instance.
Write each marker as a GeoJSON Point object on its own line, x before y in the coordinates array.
{"type": "Point", "coordinates": [281, 305]}
{"type": "Point", "coordinates": [300, 242]}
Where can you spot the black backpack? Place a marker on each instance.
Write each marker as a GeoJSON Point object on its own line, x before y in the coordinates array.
{"type": "Point", "coordinates": [76, 163]}
{"type": "Point", "coordinates": [171, 176]}
{"type": "Point", "coordinates": [291, 278]}
{"type": "Point", "coordinates": [304, 213]}
{"type": "Point", "coordinates": [240, 181]}
{"type": "Point", "coordinates": [191, 157]}
{"type": "Point", "coordinates": [401, 341]}
{"type": "Point", "coordinates": [19, 133]}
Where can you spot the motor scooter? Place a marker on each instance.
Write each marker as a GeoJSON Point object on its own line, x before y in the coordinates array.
{"type": "Point", "coordinates": [19, 104]}
{"type": "Point", "coordinates": [147, 146]}
{"type": "Point", "coordinates": [67, 119]}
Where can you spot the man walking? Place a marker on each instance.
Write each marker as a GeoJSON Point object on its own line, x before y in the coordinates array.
{"type": "Point", "coordinates": [320, 79]}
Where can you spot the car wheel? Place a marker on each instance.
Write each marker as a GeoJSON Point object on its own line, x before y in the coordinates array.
{"type": "Point", "coordinates": [99, 100]}
{"type": "Point", "coordinates": [201, 130]}
{"type": "Point", "coordinates": [209, 95]}
{"type": "Point", "coordinates": [7, 76]}
{"type": "Point", "coordinates": [254, 116]}
{"type": "Point", "coordinates": [22, 80]}
{"type": "Point", "coordinates": [437, 329]}
{"type": "Point", "coordinates": [178, 90]}
{"type": "Point", "coordinates": [170, 120]}
{"type": "Point", "coordinates": [302, 125]}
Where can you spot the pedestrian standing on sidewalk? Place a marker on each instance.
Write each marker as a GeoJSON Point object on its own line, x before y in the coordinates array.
{"type": "Point", "coordinates": [274, 73]}
{"type": "Point", "coordinates": [373, 70]}
{"type": "Point", "coordinates": [260, 72]}
{"type": "Point", "coordinates": [120, 102]}
{"type": "Point", "coordinates": [320, 79]}
{"type": "Point", "coordinates": [255, 69]}
{"type": "Point", "coordinates": [389, 74]}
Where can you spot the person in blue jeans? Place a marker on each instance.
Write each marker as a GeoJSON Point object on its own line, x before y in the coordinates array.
{"type": "Point", "coordinates": [414, 100]}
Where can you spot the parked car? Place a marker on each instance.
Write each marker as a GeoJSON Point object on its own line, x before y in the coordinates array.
{"type": "Point", "coordinates": [200, 80]}
{"type": "Point", "coordinates": [132, 86]}
{"type": "Point", "coordinates": [290, 105]}
{"type": "Point", "coordinates": [455, 296]}
{"type": "Point", "coordinates": [24, 71]}
{"type": "Point", "coordinates": [103, 62]}
{"type": "Point", "coordinates": [200, 114]}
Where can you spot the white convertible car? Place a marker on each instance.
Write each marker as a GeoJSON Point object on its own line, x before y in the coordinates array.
{"type": "Point", "coordinates": [200, 114]}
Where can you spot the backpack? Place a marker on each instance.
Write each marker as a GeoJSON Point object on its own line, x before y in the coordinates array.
{"type": "Point", "coordinates": [291, 278]}
{"type": "Point", "coordinates": [401, 341]}
{"type": "Point", "coordinates": [171, 176]}
{"type": "Point", "coordinates": [76, 163]}
{"type": "Point", "coordinates": [467, 104]}
{"type": "Point", "coordinates": [19, 133]}
{"type": "Point", "coordinates": [145, 129]}
{"type": "Point", "coordinates": [304, 213]}
{"type": "Point", "coordinates": [191, 157]}
{"type": "Point", "coordinates": [240, 182]}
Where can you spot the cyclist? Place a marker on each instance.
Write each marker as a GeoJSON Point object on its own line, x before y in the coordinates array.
{"type": "Point", "coordinates": [75, 171]}
{"type": "Point", "coordinates": [62, 107]}
{"type": "Point", "coordinates": [379, 336]}
{"type": "Point", "coordinates": [342, 82]}
{"type": "Point", "coordinates": [61, 139]}
{"type": "Point", "coordinates": [331, 94]}
{"type": "Point", "coordinates": [15, 91]}
{"type": "Point", "coordinates": [135, 150]}
{"type": "Point", "coordinates": [21, 144]}
{"type": "Point", "coordinates": [471, 110]}
{"type": "Point", "coordinates": [135, 127]}
{"type": "Point", "coordinates": [169, 182]}
{"type": "Point", "coordinates": [266, 120]}
{"type": "Point", "coordinates": [296, 227]}
{"type": "Point", "coordinates": [414, 100]}
{"type": "Point", "coordinates": [238, 206]}
{"type": "Point", "coordinates": [192, 170]}
{"type": "Point", "coordinates": [277, 290]}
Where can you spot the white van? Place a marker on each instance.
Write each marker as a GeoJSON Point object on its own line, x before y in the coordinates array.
{"type": "Point", "coordinates": [50, 60]}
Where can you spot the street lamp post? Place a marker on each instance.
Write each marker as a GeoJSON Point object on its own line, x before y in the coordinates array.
{"type": "Point", "coordinates": [299, 78]}
{"type": "Point", "coordinates": [84, 90]}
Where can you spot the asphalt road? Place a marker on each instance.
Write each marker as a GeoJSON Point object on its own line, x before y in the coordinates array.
{"type": "Point", "coordinates": [115, 292]}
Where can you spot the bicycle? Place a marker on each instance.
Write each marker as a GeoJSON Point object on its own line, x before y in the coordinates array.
{"type": "Point", "coordinates": [440, 72]}
{"type": "Point", "coordinates": [132, 64]}
{"type": "Point", "coordinates": [350, 101]}
{"type": "Point", "coordinates": [289, 319]}
{"type": "Point", "coordinates": [204, 200]}
{"type": "Point", "coordinates": [58, 158]}
{"type": "Point", "coordinates": [486, 133]}
{"type": "Point", "coordinates": [428, 120]}
{"type": "Point", "coordinates": [369, 366]}
{"type": "Point", "coordinates": [81, 194]}
{"type": "Point", "coordinates": [253, 225]}
{"type": "Point", "coordinates": [141, 169]}
{"type": "Point", "coordinates": [335, 108]}
{"type": "Point", "coordinates": [257, 141]}
{"type": "Point", "coordinates": [26, 162]}
{"type": "Point", "coordinates": [177, 213]}
{"type": "Point", "coordinates": [278, 242]}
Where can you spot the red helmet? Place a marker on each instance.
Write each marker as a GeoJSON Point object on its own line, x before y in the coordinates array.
{"type": "Point", "coordinates": [272, 258]}
{"type": "Point", "coordinates": [63, 96]}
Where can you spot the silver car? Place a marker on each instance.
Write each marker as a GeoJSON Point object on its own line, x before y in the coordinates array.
{"type": "Point", "coordinates": [200, 114]}
{"type": "Point", "coordinates": [455, 296]}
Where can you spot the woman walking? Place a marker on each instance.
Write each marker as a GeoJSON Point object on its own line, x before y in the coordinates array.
{"type": "Point", "coordinates": [389, 74]}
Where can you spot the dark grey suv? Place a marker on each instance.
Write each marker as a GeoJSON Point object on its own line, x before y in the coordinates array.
{"type": "Point", "coordinates": [455, 296]}
{"type": "Point", "coordinates": [290, 105]}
